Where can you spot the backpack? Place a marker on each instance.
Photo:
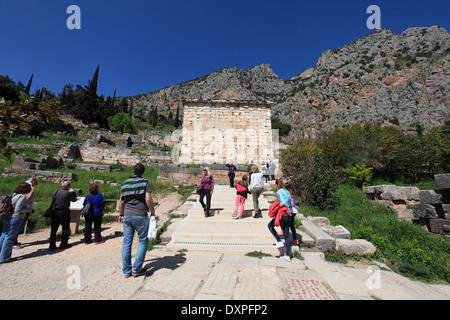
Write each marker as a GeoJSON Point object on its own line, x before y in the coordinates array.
{"type": "Point", "coordinates": [6, 206]}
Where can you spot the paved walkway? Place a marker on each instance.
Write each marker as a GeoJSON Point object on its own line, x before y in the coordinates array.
{"type": "Point", "coordinates": [94, 272]}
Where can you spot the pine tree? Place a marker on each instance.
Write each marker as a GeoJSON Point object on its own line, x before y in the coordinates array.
{"type": "Point", "coordinates": [176, 123]}
{"type": "Point", "coordinates": [28, 87]}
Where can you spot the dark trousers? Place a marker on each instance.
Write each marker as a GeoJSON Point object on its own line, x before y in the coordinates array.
{"type": "Point", "coordinates": [285, 224]}
{"type": "Point", "coordinates": [97, 220]}
{"type": "Point", "coordinates": [61, 217]}
{"type": "Point", "coordinates": [207, 206]}
{"type": "Point", "coordinates": [231, 177]}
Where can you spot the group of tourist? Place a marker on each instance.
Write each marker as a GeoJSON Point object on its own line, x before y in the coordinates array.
{"type": "Point", "coordinates": [254, 185]}
{"type": "Point", "coordinates": [135, 202]}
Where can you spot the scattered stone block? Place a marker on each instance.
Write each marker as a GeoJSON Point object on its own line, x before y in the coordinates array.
{"type": "Point", "coordinates": [319, 221]}
{"type": "Point", "coordinates": [442, 181]}
{"type": "Point", "coordinates": [338, 232]}
{"type": "Point", "coordinates": [439, 225]}
{"type": "Point", "coordinates": [434, 196]}
{"type": "Point", "coordinates": [322, 239]}
{"type": "Point", "coordinates": [424, 211]}
{"type": "Point", "coordinates": [359, 246]}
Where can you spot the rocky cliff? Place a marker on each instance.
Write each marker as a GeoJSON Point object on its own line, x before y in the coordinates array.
{"type": "Point", "coordinates": [382, 78]}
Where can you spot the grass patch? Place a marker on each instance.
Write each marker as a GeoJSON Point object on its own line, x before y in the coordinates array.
{"type": "Point", "coordinates": [403, 246]}
{"type": "Point", "coordinates": [257, 254]}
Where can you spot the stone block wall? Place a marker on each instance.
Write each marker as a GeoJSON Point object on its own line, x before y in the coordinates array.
{"type": "Point", "coordinates": [223, 131]}
{"type": "Point", "coordinates": [429, 208]}
{"type": "Point", "coordinates": [102, 152]}
{"type": "Point", "coordinates": [433, 211]}
{"type": "Point", "coordinates": [398, 199]}
{"type": "Point", "coordinates": [194, 175]}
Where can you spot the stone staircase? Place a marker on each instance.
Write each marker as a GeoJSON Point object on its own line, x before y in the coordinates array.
{"type": "Point", "coordinates": [220, 232]}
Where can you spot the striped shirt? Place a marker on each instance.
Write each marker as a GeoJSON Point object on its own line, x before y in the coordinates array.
{"type": "Point", "coordinates": [133, 194]}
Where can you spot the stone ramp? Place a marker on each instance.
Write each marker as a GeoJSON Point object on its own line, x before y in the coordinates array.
{"type": "Point", "coordinates": [220, 232]}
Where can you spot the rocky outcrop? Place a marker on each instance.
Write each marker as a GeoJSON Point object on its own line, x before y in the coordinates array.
{"type": "Point", "coordinates": [381, 78]}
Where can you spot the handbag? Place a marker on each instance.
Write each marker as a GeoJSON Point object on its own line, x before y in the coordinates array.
{"type": "Point", "coordinates": [86, 210]}
{"type": "Point", "coordinates": [199, 189]}
{"type": "Point", "coordinates": [51, 210]}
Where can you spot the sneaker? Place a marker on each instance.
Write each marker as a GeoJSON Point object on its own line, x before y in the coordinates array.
{"type": "Point", "coordinates": [17, 246]}
{"type": "Point", "coordinates": [279, 244]}
{"type": "Point", "coordinates": [234, 215]}
{"type": "Point", "coordinates": [239, 218]}
{"type": "Point", "coordinates": [127, 275]}
{"type": "Point", "coordinates": [285, 257]}
{"type": "Point", "coordinates": [100, 242]}
{"type": "Point", "coordinates": [141, 272]}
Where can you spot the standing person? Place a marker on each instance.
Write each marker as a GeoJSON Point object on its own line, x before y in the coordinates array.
{"type": "Point", "coordinates": [250, 172]}
{"type": "Point", "coordinates": [231, 173]}
{"type": "Point", "coordinates": [296, 237]}
{"type": "Point", "coordinates": [265, 171]}
{"type": "Point", "coordinates": [207, 191]}
{"type": "Point", "coordinates": [285, 219]}
{"type": "Point", "coordinates": [12, 224]}
{"type": "Point", "coordinates": [272, 170]}
{"type": "Point", "coordinates": [256, 188]}
{"type": "Point", "coordinates": [241, 196]}
{"type": "Point", "coordinates": [33, 182]}
{"type": "Point", "coordinates": [135, 201]}
{"type": "Point", "coordinates": [97, 212]}
{"type": "Point", "coordinates": [63, 198]}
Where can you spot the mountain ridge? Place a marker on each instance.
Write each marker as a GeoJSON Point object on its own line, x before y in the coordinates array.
{"type": "Point", "coordinates": [381, 78]}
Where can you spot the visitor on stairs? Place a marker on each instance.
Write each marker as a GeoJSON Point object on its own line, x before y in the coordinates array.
{"type": "Point", "coordinates": [256, 188]}
{"type": "Point", "coordinates": [282, 218]}
{"type": "Point", "coordinates": [207, 191]}
{"type": "Point", "coordinates": [241, 196]}
{"type": "Point", "coordinates": [296, 237]}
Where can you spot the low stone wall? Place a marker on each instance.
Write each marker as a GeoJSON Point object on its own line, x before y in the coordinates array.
{"type": "Point", "coordinates": [102, 152]}
{"type": "Point", "coordinates": [39, 174]}
{"type": "Point", "coordinates": [194, 175]}
{"type": "Point", "coordinates": [429, 208]}
{"type": "Point", "coordinates": [398, 199]}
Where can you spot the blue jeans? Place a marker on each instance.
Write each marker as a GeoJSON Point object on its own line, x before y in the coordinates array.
{"type": "Point", "coordinates": [11, 227]}
{"type": "Point", "coordinates": [285, 224]}
{"type": "Point", "coordinates": [130, 225]}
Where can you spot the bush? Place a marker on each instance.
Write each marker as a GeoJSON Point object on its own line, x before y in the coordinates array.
{"type": "Point", "coordinates": [122, 122]}
{"type": "Point", "coordinates": [359, 174]}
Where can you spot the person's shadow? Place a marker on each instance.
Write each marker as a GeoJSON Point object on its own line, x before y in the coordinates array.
{"type": "Point", "coordinates": [168, 262]}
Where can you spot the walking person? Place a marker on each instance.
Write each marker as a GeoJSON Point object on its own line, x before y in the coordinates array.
{"type": "Point", "coordinates": [285, 220]}
{"type": "Point", "coordinates": [272, 170]}
{"type": "Point", "coordinates": [256, 188]}
{"type": "Point", "coordinates": [265, 172]}
{"type": "Point", "coordinates": [296, 237]}
{"type": "Point", "coordinates": [63, 198]}
{"type": "Point", "coordinates": [207, 184]}
{"type": "Point", "coordinates": [231, 173]}
{"type": "Point", "coordinates": [95, 217]}
{"type": "Point", "coordinates": [241, 196]}
{"type": "Point", "coordinates": [135, 201]}
{"type": "Point", "coordinates": [12, 224]}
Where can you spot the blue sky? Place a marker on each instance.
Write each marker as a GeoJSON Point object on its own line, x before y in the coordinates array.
{"type": "Point", "coordinates": [144, 46]}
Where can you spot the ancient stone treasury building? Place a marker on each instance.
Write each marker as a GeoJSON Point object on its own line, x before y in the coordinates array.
{"type": "Point", "coordinates": [220, 131]}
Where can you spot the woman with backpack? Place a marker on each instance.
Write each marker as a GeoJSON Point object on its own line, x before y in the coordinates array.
{"type": "Point", "coordinates": [96, 213]}
{"type": "Point", "coordinates": [12, 224]}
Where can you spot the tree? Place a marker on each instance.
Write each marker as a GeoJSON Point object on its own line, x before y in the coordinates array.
{"type": "Point", "coordinates": [176, 123]}
{"type": "Point", "coordinates": [122, 122]}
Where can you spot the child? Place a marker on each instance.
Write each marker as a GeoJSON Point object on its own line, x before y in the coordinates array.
{"type": "Point", "coordinates": [297, 238]}
{"type": "Point", "coordinates": [241, 195]}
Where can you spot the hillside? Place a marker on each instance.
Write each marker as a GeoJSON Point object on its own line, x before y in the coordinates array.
{"type": "Point", "coordinates": [380, 78]}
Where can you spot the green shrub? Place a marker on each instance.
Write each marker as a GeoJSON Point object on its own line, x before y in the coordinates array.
{"type": "Point", "coordinates": [359, 174]}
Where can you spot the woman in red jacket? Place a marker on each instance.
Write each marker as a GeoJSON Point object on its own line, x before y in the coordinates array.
{"type": "Point", "coordinates": [283, 218]}
{"type": "Point", "coordinates": [241, 196]}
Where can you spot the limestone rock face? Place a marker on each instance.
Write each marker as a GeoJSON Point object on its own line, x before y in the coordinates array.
{"type": "Point", "coordinates": [380, 78]}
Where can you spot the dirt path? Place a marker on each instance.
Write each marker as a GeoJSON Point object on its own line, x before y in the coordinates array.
{"type": "Point", "coordinates": [41, 274]}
